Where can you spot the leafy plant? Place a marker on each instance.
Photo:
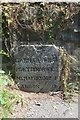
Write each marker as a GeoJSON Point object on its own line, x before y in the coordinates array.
{"type": "Point", "coordinates": [40, 17]}
{"type": "Point", "coordinates": [7, 98]}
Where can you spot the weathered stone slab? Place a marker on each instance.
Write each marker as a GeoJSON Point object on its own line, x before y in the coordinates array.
{"type": "Point", "coordinates": [37, 67]}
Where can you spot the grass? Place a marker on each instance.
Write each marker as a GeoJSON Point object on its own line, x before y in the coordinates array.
{"type": "Point", "coordinates": [7, 98]}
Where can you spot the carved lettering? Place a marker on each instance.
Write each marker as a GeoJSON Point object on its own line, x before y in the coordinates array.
{"type": "Point", "coordinates": [37, 68]}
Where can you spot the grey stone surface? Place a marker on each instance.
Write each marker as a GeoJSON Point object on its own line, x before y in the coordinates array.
{"type": "Point", "coordinates": [37, 67]}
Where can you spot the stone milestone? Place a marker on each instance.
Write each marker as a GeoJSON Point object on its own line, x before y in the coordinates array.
{"type": "Point", "coordinates": [37, 67]}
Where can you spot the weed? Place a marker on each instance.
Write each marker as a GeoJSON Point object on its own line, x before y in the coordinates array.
{"type": "Point", "coordinates": [7, 98]}
{"type": "Point", "coordinates": [68, 88]}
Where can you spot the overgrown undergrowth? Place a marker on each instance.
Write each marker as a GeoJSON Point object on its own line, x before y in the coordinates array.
{"type": "Point", "coordinates": [7, 97]}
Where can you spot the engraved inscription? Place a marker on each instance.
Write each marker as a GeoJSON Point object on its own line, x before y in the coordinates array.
{"type": "Point", "coordinates": [37, 67]}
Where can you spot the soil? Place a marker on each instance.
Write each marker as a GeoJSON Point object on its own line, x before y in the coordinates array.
{"type": "Point", "coordinates": [45, 105]}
